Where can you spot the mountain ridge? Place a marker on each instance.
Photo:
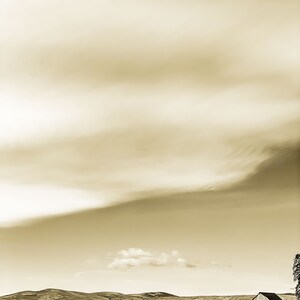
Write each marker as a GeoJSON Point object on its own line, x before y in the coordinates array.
{"type": "Point", "coordinates": [60, 294]}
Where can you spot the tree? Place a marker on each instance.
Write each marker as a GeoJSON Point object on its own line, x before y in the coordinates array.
{"type": "Point", "coordinates": [296, 272]}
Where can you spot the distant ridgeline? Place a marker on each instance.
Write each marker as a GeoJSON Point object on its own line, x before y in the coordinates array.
{"type": "Point", "coordinates": [56, 294]}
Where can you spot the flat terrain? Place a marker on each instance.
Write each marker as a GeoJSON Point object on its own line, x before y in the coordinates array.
{"type": "Point", "coordinates": [55, 294]}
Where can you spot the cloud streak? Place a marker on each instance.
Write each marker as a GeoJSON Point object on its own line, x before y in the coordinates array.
{"type": "Point", "coordinates": [23, 203]}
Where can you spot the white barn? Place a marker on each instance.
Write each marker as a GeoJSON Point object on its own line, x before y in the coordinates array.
{"type": "Point", "coordinates": [266, 296]}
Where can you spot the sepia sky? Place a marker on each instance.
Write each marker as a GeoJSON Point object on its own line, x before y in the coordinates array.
{"type": "Point", "coordinates": [149, 145]}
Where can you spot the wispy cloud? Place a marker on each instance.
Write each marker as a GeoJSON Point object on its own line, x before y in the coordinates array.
{"type": "Point", "coordinates": [135, 257]}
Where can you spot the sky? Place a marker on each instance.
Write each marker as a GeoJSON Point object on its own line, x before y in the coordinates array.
{"type": "Point", "coordinates": [149, 145]}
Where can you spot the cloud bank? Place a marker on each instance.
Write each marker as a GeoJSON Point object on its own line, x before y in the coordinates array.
{"type": "Point", "coordinates": [101, 99]}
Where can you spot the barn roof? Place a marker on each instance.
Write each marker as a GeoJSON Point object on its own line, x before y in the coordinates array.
{"type": "Point", "coordinates": [271, 296]}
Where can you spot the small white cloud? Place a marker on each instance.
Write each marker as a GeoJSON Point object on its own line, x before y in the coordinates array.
{"type": "Point", "coordinates": [135, 257]}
